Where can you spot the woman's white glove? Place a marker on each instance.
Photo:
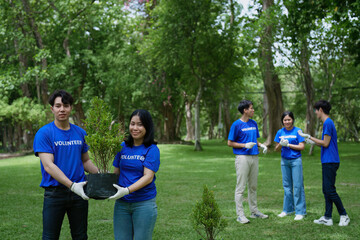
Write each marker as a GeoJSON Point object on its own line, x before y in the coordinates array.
{"type": "Point", "coordinates": [120, 192]}
{"type": "Point", "coordinates": [249, 145]}
{"type": "Point", "coordinates": [304, 135]}
{"type": "Point", "coordinates": [264, 148]}
{"type": "Point", "coordinates": [284, 142]}
{"type": "Point", "coordinates": [78, 188]}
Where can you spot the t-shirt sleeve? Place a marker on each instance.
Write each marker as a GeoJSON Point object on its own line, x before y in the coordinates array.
{"type": "Point", "coordinates": [277, 137]}
{"type": "Point", "coordinates": [327, 129]}
{"type": "Point", "coordinates": [85, 147]}
{"type": "Point", "coordinates": [152, 159]}
{"type": "Point", "coordinates": [42, 143]}
{"type": "Point", "coordinates": [232, 133]}
{"type": "Point", "coordinates": [116, 162]}
{"type": "Point", "coordinates": [257, 131]}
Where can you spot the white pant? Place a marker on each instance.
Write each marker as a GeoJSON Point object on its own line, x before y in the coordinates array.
{"type": "Point", "coordinates": [247, 169]}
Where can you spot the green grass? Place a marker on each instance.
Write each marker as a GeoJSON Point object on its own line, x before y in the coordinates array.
{"type": "Point", "coordinates": [180, 180]}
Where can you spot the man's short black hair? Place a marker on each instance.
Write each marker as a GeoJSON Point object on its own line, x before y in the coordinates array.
{"type": "Point", "coordinates": [324, 105]}
{"type": "Point", "coordinates": [244, 104]}
{"type": "Point", "coordinates": [66, 97]}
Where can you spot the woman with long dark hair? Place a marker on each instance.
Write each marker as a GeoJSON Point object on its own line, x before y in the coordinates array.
{"type": "Point", "coordinates": [291, 144]}
{"type": "Point", "coordinates": [135, 210]}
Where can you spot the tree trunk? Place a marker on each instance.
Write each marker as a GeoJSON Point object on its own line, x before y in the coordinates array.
{"type": "Point", "coordinates": [22, 68]}
{"type": "Point", "coordinates": [189, 125]}
{"type": "Point", "coordinates": [227, 119]}
{"type": "Point", "coordinates": [39, 42]}
{"type": "Point", "coordinates": [79, 114]}
{"type": "Point", "coordinates": [309, 90]}
{"type": "Point", "coordinates": [179, 118]}
{"type": "Point", "coordinates": [197, 119]}
{"type": "Point", "coordinates": [271, 80]}
{"type": "Point", "coordinates": [211, 130]}
{"type": "Point", "coordinates": [169, 121]}
{"type": "Point", "coordinates": [265, 117]}
{"type": "Point", "coordinates": [220, 125]}
{"type": "Point", "coordinates": [3, 136]}
{"type": "Point", "coordinates": [28, 136]}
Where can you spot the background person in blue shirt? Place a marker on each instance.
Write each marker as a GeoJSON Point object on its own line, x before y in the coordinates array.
{"type": "Point", "coordinates": [135, 210]}
{"type": "Point", "coordinates": [63, 154]}
{"type": "Point", "coordinates": [242, 138]}
{"type": "Point", "coordinates": [291, 144]}
{"type": "Point", "coordinates": [330, 162]}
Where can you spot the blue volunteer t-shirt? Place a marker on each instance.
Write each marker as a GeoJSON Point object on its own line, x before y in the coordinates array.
{"type": "Point", "coordinates": [331, 153]}
{"type": "Point", "coordinates": [294, 138]}
{"type": "Point", "coordinates": [67, 146]}
{"type": "Point", "coordinates": [131, 161]}
{"type": "Point", "coordinates": [244, 132]}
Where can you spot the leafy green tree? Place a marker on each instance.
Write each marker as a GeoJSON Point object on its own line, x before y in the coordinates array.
{"type": "Point", "coordinates": [189, 44]}
{"type": "Point", "coordinates": [272, 86]}
{"type": "Point", "coordinates": [19, 122]}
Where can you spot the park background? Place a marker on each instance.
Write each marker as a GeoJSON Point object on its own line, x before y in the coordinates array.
{"type": "Point", "coordinates": [183, 173]}
{"type": "Point", "coordinates": [189, 63]}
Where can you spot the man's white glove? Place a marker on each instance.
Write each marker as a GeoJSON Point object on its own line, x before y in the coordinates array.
{"type": "Point", "coordinates": [78, 188]}
{"type": "Point", "coordinates": [304, 135]}
{"type": "Point", "coordinates": [309, 141]}
{"type": "Point", "coordinates": [264, 148]}
{"type": "Point", "coordinates": [120, 193]}
{"type": "Point", "coordinates": [249, 145]}
{"type": "Point", "coordinates": [284, 142]}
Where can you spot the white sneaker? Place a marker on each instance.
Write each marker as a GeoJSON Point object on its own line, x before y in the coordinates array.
{"type": "Point", "coordinates": [323, 220]}
{"type": "Point", "coordinates": [258, 214]}
{"type": "Point", "coordinates": [299, 217]}
{"type": "Point", "coordinates": [282, 214]}
{"type": "Point", "coordinates": [242, 219]}
{"type": "Point", "coordinates": [344, 220]}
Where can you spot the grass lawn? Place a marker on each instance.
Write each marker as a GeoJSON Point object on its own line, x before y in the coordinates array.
{"type": "Point", "coordinates": [180, 180]}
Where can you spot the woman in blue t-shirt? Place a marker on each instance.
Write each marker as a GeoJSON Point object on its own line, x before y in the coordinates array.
{"type": "Point", "coordinates": [291, 145]}
{"type": "Point", "coordinates": [135, 209]}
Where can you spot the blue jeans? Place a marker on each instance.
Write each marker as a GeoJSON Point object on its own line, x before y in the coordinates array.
{"type": "Point", "coordinates": [57, 202]}
{"type": "Point", "coordinates": [329, 189]}
{"type": "Point", "coordinates": [134, 220]}
{"type": "Point", "coordinates": [293, 183]}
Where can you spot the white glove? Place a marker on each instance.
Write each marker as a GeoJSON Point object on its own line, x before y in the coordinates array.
{"type": "Point", "coordinates": [249, 145]}
{"type": "Point", "coordinates": [264, 148]}
{"type": "Point", "coordinates": [309, 141]}
{"type": "Point", "coordinates": [304, 135]}
{"type": "Point", "coordinates": [78, 188]}
{"type": "Point", "coordinates": [284, 142]}
{"type": "Point", "coordinates": [120, 193]}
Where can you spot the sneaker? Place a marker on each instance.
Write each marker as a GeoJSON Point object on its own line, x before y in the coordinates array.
{"type": "Point", "coordinates": [258, 214]}
{"type": "Point", "coordinates": [242, 219]}
{"type": "Point", "coordinates": [299, 217]}
{"type": "Point", "coordinates": [344, 220]}
{"type": "Point", "coordinates": [283, 214]}
{"type": "Point", "coordinates": [323, 220]}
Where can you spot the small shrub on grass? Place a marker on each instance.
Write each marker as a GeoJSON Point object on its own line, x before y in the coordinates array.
{"type": "Point", "coordinates": [206, 216]}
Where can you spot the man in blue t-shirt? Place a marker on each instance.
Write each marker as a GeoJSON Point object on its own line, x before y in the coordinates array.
{"type": "Point", "coordinates": [330, 162]}
{"type": "Point", "coordinates": [242, 138]}
{"type": "Point", "coordinates": [63, 155]}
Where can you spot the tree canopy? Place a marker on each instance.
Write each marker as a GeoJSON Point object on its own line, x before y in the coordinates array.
{"type": "Point", "coordinates": [188, 62]}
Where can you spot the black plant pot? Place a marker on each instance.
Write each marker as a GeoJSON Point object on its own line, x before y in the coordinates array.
{"type": "Point", "coordinates": [100, 185]}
